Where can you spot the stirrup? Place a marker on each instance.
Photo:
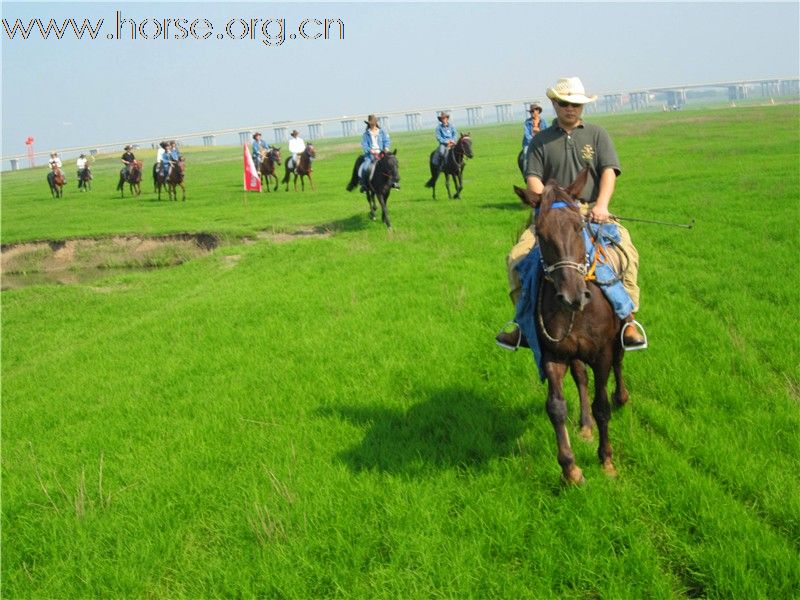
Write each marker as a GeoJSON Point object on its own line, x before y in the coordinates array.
{"type": "Point", "coordinates": [519, 337]}
{"type": "Point", "coordinates": [641, 330]}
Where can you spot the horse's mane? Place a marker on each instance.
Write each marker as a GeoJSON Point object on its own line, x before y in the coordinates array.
{"type": "Point", "coordinates": [553, 193]}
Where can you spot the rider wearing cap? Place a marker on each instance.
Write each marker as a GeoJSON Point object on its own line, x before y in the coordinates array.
{"type": "Point", "coordinates": [260, 147]}
{"type": "Point", "coordinates": [374, 142]}
{"type": "Point", "coordinates": [532, 126]}
{"type": "Point", "coordinates": [296, 146]}
{"type": "Point", "coordinates": [447, 136]}
{"type": "Point", "coordinates": [560, 152]}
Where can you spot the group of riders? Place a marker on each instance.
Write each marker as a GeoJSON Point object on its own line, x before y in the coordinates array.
{"type": "Point", "coordinates": [558, 152]}
{"type": "Point", "coordinates": [297, 146]}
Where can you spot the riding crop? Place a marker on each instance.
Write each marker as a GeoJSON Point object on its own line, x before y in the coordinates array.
{"type": "Point", "coordinates": [684, 225]}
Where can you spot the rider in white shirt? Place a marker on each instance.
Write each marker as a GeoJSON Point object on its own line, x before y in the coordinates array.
{"type": "Point", "coordinates": [296, 146]}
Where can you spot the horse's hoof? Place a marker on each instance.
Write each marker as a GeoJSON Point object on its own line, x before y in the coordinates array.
{"type": "Point", "coordinates": [609, 469]}
{"type": "Point", "coordinates": [621, 399]}
{"type": "Point", "coordinates": [586, 433]}
{"type": "Point", "coordinates": [574, 476]}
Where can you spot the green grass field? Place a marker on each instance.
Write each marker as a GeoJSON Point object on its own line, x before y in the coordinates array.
{"type": "Point", "coordinates": [330, 417]}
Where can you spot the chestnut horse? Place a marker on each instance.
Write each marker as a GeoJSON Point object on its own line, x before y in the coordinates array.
{"type": "Point", "coordinates": [175, 179]}
{"type": "Point", "coordinates": [268, 167]}
{"type": "Point", "coordinates": [302, 169]}
{"type": "Point", "coordinates": [453, 166]}
{"type": "Point", "coordinates": [575, 323]}
{"type": "Point", "coordinates": [55, 180]}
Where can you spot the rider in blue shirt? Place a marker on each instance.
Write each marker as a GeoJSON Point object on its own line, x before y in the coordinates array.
{"type": "Point", "coordinates": [258, 146]}
{"type": "Point", "coordinates": [447, 136]}
{"type": "Point", "coordinates": [374, 141]}
{"type": "Point", "coordinates": [532, 126]}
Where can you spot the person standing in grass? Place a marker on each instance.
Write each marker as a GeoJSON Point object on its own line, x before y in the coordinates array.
{"type": "Point", "coordinates": [560, 152]}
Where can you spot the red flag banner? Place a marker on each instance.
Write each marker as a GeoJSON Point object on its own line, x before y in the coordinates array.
{"type": "Point", "coordinates": [252, 180]}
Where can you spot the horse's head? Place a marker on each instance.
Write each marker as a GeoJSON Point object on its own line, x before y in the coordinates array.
{"type": "Point", "coordinates": [559, 233]}
{"type": "Point", "coordinates": [465, 142]}
{"type": "Point", "coordinates": [389, 167]}
{"type": "Point", "coordinates": [275, 154]}
{"type": "Point", "coordinates": [310, 150]}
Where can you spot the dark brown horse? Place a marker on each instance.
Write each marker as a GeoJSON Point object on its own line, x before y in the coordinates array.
{"type": "Point", "coordinates": [55, 180]}
{"type": "Point", "coordinates": [454, 162]}
{"type": "Point", "coordinates": [302, 169]}
{"type": "Point", "coordinates": [133, 178]}
{"type": "Point", "coordinates": [175, 177]}
{"type": "Point", "coordinates": [268, 167]}
{"type": "Point", "coordinates": [575, 323]}
{"type": "Point", "coordinates": [85, 179]}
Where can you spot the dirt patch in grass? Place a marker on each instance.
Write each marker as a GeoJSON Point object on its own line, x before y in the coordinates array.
{"type": "Point", "coordinates": [282, 237]}
{"type": "Point", "coordinates": [105, 253]}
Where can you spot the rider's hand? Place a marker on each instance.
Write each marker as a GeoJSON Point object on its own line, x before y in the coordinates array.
{"type": "Point", "coordinates": [599, 215]}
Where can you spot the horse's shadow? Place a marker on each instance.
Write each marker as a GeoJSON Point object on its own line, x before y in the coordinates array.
{"type": "Point", "coordinates": [355, 222]}
{"type": "Point", "coordinates": [452, 428]}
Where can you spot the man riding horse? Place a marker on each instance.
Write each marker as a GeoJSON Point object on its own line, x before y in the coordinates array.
{"type": "Point", "coordinates": [260, 148]}
{"type": "Point", "coordinates": [447, 136]}
{"type": "Point", "coordinates": [559, 153]}
{"type": "Point", "coordinates": [127, 162]}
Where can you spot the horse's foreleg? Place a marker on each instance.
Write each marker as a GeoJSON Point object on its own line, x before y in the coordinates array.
{"type": "Point", "coordinates": [384, 211]}
{"type": "Point", "coordinates": [581, 379]}
{"type": "Point", "coordinates": [311, 181]}
{"type": "Point", "coordinates": [372, 206]}
{"type": "Point", "coordinates": [557, 411]}
{"type": "Point", "coordinates": [447, 185]}
{"type": "Point", "coordinates": [601, 409]}
{"type": "Point", "coordinates": [183, 190]}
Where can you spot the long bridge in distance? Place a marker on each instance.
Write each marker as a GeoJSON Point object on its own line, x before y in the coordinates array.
{"type": "Point", "coordinates": [672, 97]}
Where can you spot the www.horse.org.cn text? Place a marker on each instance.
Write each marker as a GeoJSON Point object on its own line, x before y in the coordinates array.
{"type": "Point", "coordinates": [269, 31]}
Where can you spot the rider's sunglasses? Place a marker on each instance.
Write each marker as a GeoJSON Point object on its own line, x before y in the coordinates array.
{"type": "Point", "coordinates": [564, 104]}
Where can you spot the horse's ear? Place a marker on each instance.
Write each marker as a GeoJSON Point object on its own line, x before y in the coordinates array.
{"type": "Point", "coordinates": [576, 187]}
{"type": "Point", "coordinates": [394, 151]}
{"type": "Point", "coordinates": [528, 197]}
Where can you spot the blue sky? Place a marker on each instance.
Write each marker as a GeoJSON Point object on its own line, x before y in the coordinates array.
{"type": "Point", "coordinates": [73, 92]}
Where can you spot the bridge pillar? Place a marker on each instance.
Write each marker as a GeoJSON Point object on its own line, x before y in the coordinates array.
{"type": "Point", "coordinates": [348, 127]}
{"type": "Point", "coordinates": [737, 92]}
{"type": "Point", "coordinates": [281, 133]}
{"type": "Point", "coordinates": [244, 137]}
{"type": "Point", "coordinates": [315, 131]}
{"type": "Point", "coordinates": [474, 115]}
{"type": "Point", "coordinates": [639, 100]}
{"type": "Point", "coordinates": [383, 123]}
{"type": "Point", "coordinates": [503, 112]}
{"type": "Point", "coordinates": [208, 140]}
{"type": "Point", "coordinates": [613, 102]}
{"type": "Point", "coordinates": [14, 164]}
{"type": "Point", "coordinates": [413, 121]}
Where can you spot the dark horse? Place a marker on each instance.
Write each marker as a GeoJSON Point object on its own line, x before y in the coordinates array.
{"type": "Point", "coordinates": [175, 179]}
{"type": "Point", "coordinates": [159, 179]}
{"type": "Point", "coordinates": [85, 179]}
{"type": "Point", "coordinates": [302, 169]}
{"type": "Point", "coordinates": [385, 176]}
{"type": "Point", "coordinates": [268, 166]}
{"type": "Point", "coordinates": [453, 166]}
{"type": "Point", "coordinates": [133, 179]}
{"type": "Point", "coordinates": [55, 179]}
{"type": "Point", "coordinates": [575, 323]}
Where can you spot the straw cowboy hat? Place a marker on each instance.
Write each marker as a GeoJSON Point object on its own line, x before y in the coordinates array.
{"type": "Point", "coordinates": [534, 107]}
{"type": "Point", "coordinates": [372, 121]}
{"type": "Point", "coordinates": [570, 89]}
{"type": "Point", "coordinates": [256, 134]}
{"type": "Point", "coordinates": [295, 132]}
{"type": "Point", "coordinates": [443, 115]}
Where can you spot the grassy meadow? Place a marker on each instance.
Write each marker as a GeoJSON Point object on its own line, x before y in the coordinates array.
{"type": "Point", "coordinates": [323, 416]}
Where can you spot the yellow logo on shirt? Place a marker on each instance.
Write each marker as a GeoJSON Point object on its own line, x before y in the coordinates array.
{"type": "Point", "coordinates": [587, 152]}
